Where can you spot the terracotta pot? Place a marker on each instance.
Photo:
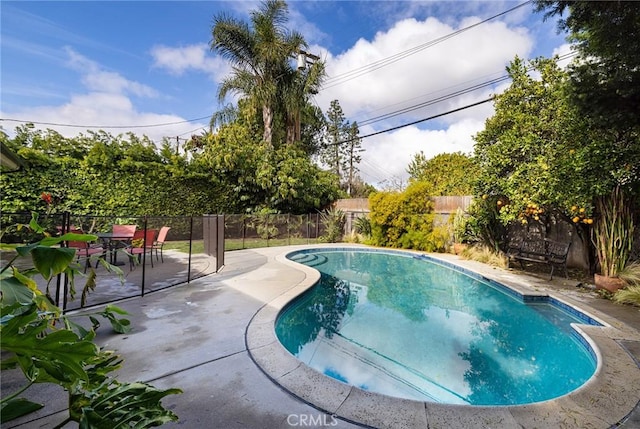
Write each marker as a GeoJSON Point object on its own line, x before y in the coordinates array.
{"type": "Point", "coordinates": [458, 248]}
{"type": "Point", "coordinates": [611, 284]}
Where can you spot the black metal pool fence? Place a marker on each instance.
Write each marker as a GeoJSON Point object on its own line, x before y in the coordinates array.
{"type": "Point", "coordinates": [270, 230]}
{"type": "Point", "coordinates": [194, 248]}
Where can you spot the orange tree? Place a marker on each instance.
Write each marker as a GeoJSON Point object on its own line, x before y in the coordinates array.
{"type": "Point", "coordinates": [540, 158]}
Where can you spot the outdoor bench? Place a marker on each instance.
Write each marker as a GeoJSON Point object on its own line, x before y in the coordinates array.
{"type": "Point", "coordinates": [543, 251]}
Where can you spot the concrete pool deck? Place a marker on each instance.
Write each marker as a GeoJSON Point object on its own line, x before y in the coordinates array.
{"type": "Point", "coordinates": [214, 338]}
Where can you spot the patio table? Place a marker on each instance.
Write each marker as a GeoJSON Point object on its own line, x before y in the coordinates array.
{"type": "Point", "coordinates": [114, 242]}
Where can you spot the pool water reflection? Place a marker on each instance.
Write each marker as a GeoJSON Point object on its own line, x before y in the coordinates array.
{"type": "Point", "coordinates": [411, 328]}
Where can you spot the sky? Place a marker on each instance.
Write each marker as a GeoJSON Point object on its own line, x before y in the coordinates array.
{"type": "Point", "coordinates": [146, 67]}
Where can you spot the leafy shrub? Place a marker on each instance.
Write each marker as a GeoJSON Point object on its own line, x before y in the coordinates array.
{"type": "Point", "coordinates": [402, 219]}
{"type": "Point", "coordinates": [461, 228]}
{"type": "Point", "coordinates": [630, 274]}
{"type": "Point", "coordinates": [362, 226]}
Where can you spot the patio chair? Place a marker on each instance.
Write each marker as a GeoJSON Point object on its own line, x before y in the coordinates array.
{"type": "Point", "coordinates": [124, 231]}
{"type": "Point", "coordinates": [141, 242]}
{"type": "Point", "coordinates": [85, 249]}
{"type": "Point", "coordinates": [159, 243]}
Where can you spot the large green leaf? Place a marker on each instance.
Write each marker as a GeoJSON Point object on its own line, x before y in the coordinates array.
{"type": "Point", "coordinates": [13, 291]}
{"type": "Point", "coordinates": [60, 354]}
{"type": "Point", "coordinates": [51, 261]}
{"type": "Point", "coordinates": [124, 406]}
{"type": "Point", "coordinates": [71, 236]}
{"type": "Point", "coordinates": [17, 408]}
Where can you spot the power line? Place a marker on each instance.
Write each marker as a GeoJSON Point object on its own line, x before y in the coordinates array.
{"type": "Point", "coordinates": [350, 75]}
{"type": "Point", "coordinates": [468, 106]}
{"type": "Point", "coordinates": [104, 126]}
{"type": "Point", "coordinates": [433, 101]}
{"type": "Point", "coordinates": [451, 95]}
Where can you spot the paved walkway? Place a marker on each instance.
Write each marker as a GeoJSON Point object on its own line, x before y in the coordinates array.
{"type": "Point", "coordinates": [209, 337]}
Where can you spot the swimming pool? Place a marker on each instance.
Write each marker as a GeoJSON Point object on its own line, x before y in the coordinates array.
{"type": "Point", "coordinates": [411, 327]}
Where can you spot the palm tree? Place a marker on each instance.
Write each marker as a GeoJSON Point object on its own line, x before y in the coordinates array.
{"type": "Point", "coordinates": [260, 55]}
{"type": "Point", "coordinates": [296, 90]}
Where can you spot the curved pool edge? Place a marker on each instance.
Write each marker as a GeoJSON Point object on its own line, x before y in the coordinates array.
{"type": "Point", "coordinates": [603, 401]}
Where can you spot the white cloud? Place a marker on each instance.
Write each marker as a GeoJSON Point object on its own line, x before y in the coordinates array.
{"type": "Point", "coordinates": [387, 156]}
{"type": "Point", "coordinates": [97, 79]}
{"type": "Point", "coordinates": [101, 109]}
{"type": "Point", "coordinates": [192, 57]}
{"type": "Point", "coordinates": [105, 102]}
{"type": "Point", "coordinates": [564, 49]}
{"type": "Point", "coordinates": [386, 74]}
{"type": "Point", "coordinates": [453, 63]}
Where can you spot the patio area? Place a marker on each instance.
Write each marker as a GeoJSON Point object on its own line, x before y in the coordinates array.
{"type": "Point", "coordinates": [214, 339]}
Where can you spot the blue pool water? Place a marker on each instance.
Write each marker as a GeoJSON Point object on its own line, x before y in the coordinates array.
{"type": "Point", "coordinates": [412, 327]}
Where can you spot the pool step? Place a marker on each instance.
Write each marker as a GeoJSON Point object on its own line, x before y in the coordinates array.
{"type": "Point", "coordinates": [310, 259]}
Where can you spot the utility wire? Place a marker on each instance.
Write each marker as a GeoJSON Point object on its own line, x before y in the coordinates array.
{"type": "Point", "coordinates": [433, 101]}
{"type": "Point", "coordinates": [468, 106]}
{"type": "Point", "coordinates": [350, 75]}
{"type": "Point", "coordinates": [105, 126]}
{"type": "Point", "coordinates": [451, 95]}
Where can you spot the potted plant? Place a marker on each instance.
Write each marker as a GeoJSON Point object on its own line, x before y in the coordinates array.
{"type": "Point", "coordinates": [613, 239]}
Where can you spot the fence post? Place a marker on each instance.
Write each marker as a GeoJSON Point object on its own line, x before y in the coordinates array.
{"type": "Point", "coordinates": [244, 229]}
{"type": "Point", "coordinates": [220, 242]}
{"type": "Point", "coordinates": [144, 254]}
{"type": "Point", "coordinates": [190, 247]}
{"type": "Point", "coordinates": [66, 227]}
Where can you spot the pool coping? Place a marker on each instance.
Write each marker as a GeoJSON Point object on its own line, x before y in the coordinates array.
{"type": "Point", "coordinates": [605, 400]}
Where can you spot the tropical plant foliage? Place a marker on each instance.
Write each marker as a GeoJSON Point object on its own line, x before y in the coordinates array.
{"type": "Point", "coordinates": [48, 347]}
{"type": "Point", "coordinates": [333, 220]}
{"type": "Point", "coordinates": [613, 232]}
{"type": "Point", "coordinates": [263, 75]}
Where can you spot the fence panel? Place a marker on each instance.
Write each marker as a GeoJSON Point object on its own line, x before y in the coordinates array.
{"type": "Point", "coordinates": [180, 259]}
{"type": "Point", "coordinates": [194, 247]}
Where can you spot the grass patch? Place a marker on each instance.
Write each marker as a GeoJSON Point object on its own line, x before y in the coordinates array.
{"type": "Point", "coordinates": [183, 246]}
{"type": "Point", "coordinates": [485, 255]}
{"type": "Point", "coordinates": [628, 295]}
{"type": "Point", "coordinates": [237, 244]}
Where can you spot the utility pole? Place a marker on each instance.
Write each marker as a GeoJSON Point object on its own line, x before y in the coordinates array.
{"type": "Point", "coordinates": [303, 59]}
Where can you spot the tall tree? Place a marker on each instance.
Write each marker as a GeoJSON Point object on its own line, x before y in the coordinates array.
{"type": "Point", "coordinates": [354, 149]}
{"type": "Point", "coordinates": [606, 78]}
{"type": "Point", "coordinates": [261, 54]}
{"type": "Point", "coordinates": [539, 155]}
{"type": "Point", "coordinates": [336, 132]}
{"type": "Point", "coordinates": [446, 173]}
{"type": "Point", "coordinates": [342, 146]}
